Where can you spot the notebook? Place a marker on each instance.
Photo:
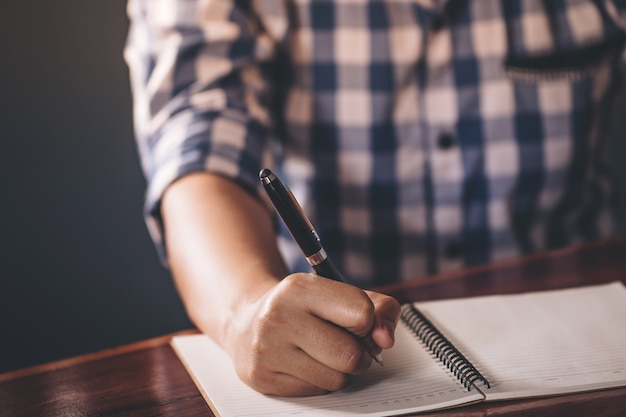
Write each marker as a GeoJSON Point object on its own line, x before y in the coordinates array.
{"type": "Point", "coordinates": [450, 353]}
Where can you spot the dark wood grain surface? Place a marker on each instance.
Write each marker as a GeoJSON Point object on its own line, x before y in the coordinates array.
{"type": "Point", "coordinates": [147, 379]}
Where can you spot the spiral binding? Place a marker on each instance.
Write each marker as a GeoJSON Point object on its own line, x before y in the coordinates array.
{"type": "Point", "coordinates": [442, 348]}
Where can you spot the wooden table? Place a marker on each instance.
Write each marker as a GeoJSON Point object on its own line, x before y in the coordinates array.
{"type": "Point", "coordinates": [147, 379]}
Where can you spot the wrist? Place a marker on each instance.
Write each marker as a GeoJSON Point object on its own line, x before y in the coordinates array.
{"type": "Point", "coordinates": [223, 312]}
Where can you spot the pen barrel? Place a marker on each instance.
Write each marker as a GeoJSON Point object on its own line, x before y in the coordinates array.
{"type": "Point", "coordinates": [328, 270]}
{"type": "Point", "coordinates": [293, 216]}
{"type": "Point", "coordinates": [298, 225]}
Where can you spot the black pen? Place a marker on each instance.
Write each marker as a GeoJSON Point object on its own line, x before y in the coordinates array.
{"type": "Point", "coordinates": [301, 229]}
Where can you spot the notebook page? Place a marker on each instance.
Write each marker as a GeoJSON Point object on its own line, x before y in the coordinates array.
{"type": "Point", "coordinates": [540, 343]}
{"type": "Point", "coordinates": [410, 381]}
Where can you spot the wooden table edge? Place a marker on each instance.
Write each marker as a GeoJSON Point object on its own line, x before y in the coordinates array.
{"type": "Point", "coordinates": [514, 261]}
{"type": "Point", "coordinates": [165, 339]}
{"type": "Point", "coordinates": [88, 357]}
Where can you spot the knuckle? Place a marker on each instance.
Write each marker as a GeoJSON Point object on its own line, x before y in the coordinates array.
{"type": "Point", "coordinates": [258, 351]}
{"type": "Point", "coordinates": [256, 372]}
{"type": "Point", "coordinates": [352, 358]}
{"type": "Point", "coordinates": [272, 315]}
{"type": "Point", "coordinates": [297, 283]}
{"type": "Point", "coordinates": [364, 315]}
{"type": "Point", "coordinates": [366, 308]}
{"type": "Point", "coordinates": [265, 383]}
{"type": "Point", "coordinates": [290, 286]}
{"type": "Point", "coordinates": [256, 376]}
{"type": "Point", "coordinates": [336, 381]}
{"type": "Point", "coordinates": [269, 318]}
{"type": "Point", "coordinates": [260, 348]}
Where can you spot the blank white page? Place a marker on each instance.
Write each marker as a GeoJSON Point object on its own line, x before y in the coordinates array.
{"type": "Point", "coordinates": [541, 343]}
{"type": "Point", "coordinates": [411, 381]}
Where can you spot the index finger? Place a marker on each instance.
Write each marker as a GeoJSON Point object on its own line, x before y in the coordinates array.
{"type": "Point", "coordinates": [342, 304]}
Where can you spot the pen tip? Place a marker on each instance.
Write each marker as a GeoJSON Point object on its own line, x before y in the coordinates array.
{"type": "Point", "coordinates": [379, 358]}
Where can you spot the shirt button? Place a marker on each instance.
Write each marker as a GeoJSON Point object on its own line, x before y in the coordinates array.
{"type": "Point", "coordinates": [453, 250]}
{"type": "Point", "coordinates": [437, 23]}
{"type": "Point", "coordinates": [445, 141]}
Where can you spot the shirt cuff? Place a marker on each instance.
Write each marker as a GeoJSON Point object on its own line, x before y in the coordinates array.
{"type": "Point", "coordinates": [226, 145]}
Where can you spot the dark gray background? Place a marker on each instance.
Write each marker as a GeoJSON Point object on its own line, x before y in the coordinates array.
{"type": "Point", "coordinates": [78, 272]}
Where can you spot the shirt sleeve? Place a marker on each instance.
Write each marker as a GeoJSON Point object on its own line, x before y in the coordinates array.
{"type": "Point", "coordinates": [616, 9]}
{"type": "Point", "coordinates": [200, 92]}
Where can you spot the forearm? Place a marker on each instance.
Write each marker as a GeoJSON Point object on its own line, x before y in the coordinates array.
{"type": "Point", "coordinates": [229, 272]}
{"type": "Point", "coordinates": [222, 249]}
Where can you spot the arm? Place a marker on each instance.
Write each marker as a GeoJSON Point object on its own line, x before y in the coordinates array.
{"type": "Point", "coordinates": [201, 132]}
{"type": "Point", "coordinates": [285, 336]}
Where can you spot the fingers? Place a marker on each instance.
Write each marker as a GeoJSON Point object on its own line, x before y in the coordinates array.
{"type": "Point", "coordinates": [311, 317]}
{"type": "Point", "coordinates": [333, 347]}
{"type": "Point", "coordinates": [341, 304]}
{"type": "Point", "coordinates": [298, 354]}
{"type": "Point", "coordinates": [371, 317]}
{"type": "Point", "coordinates": [294, 373]}
{"type": "Point", "coordinates": [386, 319]}
{"type": "Point", "coordinates": [286, 385]}
{"type": "Point", "coordinates": [386, 316]}
{"type": "Point", "coordinates": [305, 372]}
{"type": "Point", "coordinates": [300, 338]}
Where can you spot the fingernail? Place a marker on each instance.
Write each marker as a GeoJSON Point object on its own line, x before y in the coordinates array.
{"type": "Point", "coordinates": [390, 328]}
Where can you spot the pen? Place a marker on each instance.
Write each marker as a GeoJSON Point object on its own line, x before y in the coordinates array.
{"type": "Point", "coordinates": [301, 229]}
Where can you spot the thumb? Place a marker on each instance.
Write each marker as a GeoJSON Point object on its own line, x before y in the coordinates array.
{"type": "Point", "coordinates": [386, 316]}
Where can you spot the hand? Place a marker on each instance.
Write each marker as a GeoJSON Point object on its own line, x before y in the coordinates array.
{"type": "Point", "coordinates": [307, 334]}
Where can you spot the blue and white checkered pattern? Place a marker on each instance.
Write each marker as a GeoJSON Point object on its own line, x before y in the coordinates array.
{"type": "Point", "coordinates": [419, 135]}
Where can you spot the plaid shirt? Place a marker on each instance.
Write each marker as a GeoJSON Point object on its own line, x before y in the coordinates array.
{"type": "Point", "coordinates": [418, 135]}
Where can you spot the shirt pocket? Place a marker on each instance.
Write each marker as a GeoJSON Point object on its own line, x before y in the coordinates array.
{"type": "Point", "coordinates": [565, 65]}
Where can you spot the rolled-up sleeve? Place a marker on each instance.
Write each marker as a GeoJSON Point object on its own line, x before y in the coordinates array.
{"type": "Point", "coordinates": [200, 96]}
{"type": "Point", "coordinates": [616, 9]}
